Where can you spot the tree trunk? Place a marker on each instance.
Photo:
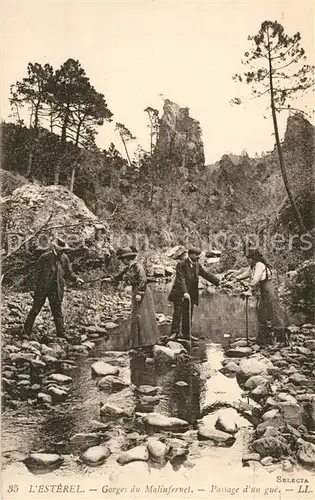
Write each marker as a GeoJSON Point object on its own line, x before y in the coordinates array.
{"type": "Point", "coordinates": [170, 212]}
{"type": "Point", "coordinates": [33, 147]}
{"type": "Point", "coordinates": [57, 173]}
{"type": "Point", "coordinates": [29, 164]}
{"type": "Point", "coordinates": [65, 125]}
{"type": "Point", "coordinates": [63, 144]}
{"type": "Point", "coordinates": [295, 209]}
{"type": "Point", "coordinates": [151, 140]}
{"type": "Point", "coordinates": [36, 117]}
{"type": "Point", "coordinates": [51, 122]}
{"type": "Point", "coordinates": [77, 138]}
{"type": "Point", "coordinates": [125, 146]}
{"type": "Point", "coordinates": [72, 178]}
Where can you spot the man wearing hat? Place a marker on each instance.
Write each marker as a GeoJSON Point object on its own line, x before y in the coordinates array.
{"type": "Point", "coordinates": [185, 288]}
{"type": "Point", "coordinates": [51, 270]}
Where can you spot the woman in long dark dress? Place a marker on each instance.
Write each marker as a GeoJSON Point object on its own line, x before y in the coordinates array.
{"type": "Point", "coordinates": [144, 329]}
{"type": "Point", "coordinates": [269, 313]}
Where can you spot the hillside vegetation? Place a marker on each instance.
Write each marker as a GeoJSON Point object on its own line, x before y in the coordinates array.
{"type": "Point", "coordinates": [242, 195]}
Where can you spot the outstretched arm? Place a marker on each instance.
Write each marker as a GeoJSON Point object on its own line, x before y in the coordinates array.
{"type": "Point", "coordinates": [208, 276]}
{"type": "Point", "coordinates": [119, 277]}
{"type": "Point", "coordinates": [69, 273]}
{"type": "Point", "coordinates": [244, 274]}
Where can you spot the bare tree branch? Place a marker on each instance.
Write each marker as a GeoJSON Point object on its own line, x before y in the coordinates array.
{"type": "Point", "coordinates": [293, 109]}
{"type": "Point", "coordinates": [281, 56]}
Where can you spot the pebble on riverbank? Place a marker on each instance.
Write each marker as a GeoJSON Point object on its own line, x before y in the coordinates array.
{"type": "Point", "coordinates": [282, 378]}
{"type": "Point", "coordinates": [281, 381]}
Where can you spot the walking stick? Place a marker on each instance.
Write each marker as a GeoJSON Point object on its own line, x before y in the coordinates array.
{"type": "Point", "coordinates": [189, 322]}
{"type": "Point", "coordinates": [246, 294]}
{"type": "Point", "coordinates": [246, 316]}
{"type": "Point", "coordinates": [138, 324]}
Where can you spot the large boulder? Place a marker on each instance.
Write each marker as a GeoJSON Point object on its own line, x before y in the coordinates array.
{"type": "Point", "coordinates": [48, 212]}
{"type": "Point", "coordinates": [230, 367]}
{"type": "Point", "coordinates": [112, 411]}
{"type": "Point", "coordinates": [176, 346]}
{"type": "Point", "coordinates": [276, 422]}
{"type": "Point", "coordinates": [306, 453]}
{"type": "Point", "coordinates": [96, 455]}
{"type": "Point", "coordinates": [164, 354]}
{"type": "Point", "coordinates": [292, 413]}
{"type": "Point", "coordinates": [256, 365]}
{"type": "Point", "coordinates": [239, 343]}
{"type": "Point", "coordinates": [178, 448]}
{"type": "Point", "coordinates": [43, 461]}
{"type": "Point", "coordinates": [102, 369]}
{"type": "Point", "coordinates": [60, 379]}
{"type": "Point", "coordinates": [220, 438]}
{"type": "Point", "coordinates": [110, 383]}
{"type": "Point", "coordinates": [159, 421]}
{"type": "Point", "coordinates": [270, 446]}
{"type": "Point", "coordinates": [270, 414]}
{"type": "Point", "coordinates": [84, 440]}
{"type": "Point", "coordinates": [298, 378]}
{"type": "Point", "coordinates": [139, 453]}
{"type": "Point", "coordinates": [147, 390]}
{"type": "Point", "coordinates": [157, 450]}
{"type": "Point", "coordinates": [260, 392]}
{"type": "Point", "coordinates": [239, 352]}
{"type": "Point", "coordinates": [255, 381]}
{"type": "Point", "coordinates": [226, 424]}
{"type": "Point", "coordinates": [309, 411]}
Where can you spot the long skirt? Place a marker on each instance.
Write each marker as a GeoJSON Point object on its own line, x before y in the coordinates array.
{"type": "Point", "coordinates": [269, 313]}
{"type": "Point", "coordinates": [144, 329]}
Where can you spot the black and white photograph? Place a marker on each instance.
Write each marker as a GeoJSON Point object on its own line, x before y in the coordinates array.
{"type": "Point", "coordinates": [157, 249]}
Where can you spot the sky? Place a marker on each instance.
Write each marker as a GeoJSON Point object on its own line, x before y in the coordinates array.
{"type": "Point", "coordinates": [139, 52]}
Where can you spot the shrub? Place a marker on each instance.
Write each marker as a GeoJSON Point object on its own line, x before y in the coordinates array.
{"type": "Point", "coordinates": [302, 290]}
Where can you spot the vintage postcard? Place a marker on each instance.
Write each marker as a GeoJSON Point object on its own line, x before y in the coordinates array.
{"type": "Point", "coordinates": [157, 256]}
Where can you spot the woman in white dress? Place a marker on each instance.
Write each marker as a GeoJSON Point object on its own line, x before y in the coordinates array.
{"type": "Point", "coordinates": [269, 313]}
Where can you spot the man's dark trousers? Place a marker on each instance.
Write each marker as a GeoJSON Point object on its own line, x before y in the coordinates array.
{"type": "Point", "coordinates": [55, 306]}
{"type": "Point", "coordinates": [181, 319]}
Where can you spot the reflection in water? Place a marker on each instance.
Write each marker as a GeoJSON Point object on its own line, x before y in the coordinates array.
{"type": "Point", "coordinates": [216, 317]}
{"type": "Point", "coordinates": [141, 374]}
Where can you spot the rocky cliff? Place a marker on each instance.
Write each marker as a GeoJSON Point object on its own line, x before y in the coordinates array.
{"type": "Point", "coordinates": [256, 184]}
{"type": "Point", "coordinates": [180, 137]}
{"type": "Point", "coordinates": [240, 195]}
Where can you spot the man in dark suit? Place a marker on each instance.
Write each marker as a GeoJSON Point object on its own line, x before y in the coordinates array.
{"type": "Point", "coordinates": [185, 287]}
{"type": "Point", "coordinates": [51, 270]}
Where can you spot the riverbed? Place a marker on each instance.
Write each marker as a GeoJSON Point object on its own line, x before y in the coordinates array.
{"type": "Point", "coordinates": [218, 321]}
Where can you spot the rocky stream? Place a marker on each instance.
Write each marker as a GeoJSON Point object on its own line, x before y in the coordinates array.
{"type": "Point", "coordinates": [88, 408]}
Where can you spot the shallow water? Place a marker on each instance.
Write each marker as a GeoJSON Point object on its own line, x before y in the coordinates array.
{"type": "Point", "coordinates": [217, 320]}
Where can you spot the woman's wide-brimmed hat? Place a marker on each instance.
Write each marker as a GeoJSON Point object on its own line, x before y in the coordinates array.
{"type": "Point", "coordinates": [126, 252]}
